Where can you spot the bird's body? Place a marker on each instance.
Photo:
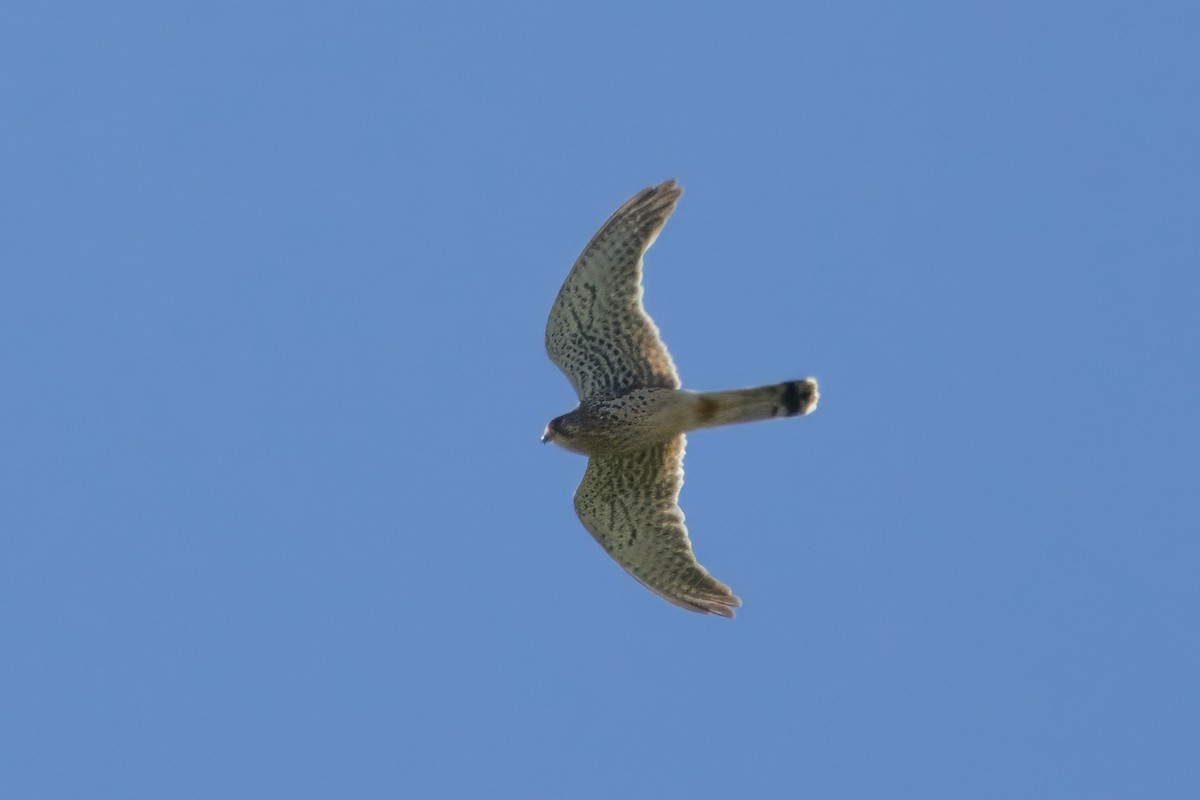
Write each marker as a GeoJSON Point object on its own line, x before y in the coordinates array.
{"type": "Point", "coordinates": [646, 416]}
{"type": "Point", "coordinates": [632, 414]}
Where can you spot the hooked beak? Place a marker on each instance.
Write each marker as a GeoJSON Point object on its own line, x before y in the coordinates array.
{"type": "Point", "coordinates": [547, 435]}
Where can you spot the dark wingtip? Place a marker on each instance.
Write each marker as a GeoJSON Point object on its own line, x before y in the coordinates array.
{"type": "Point", "coordinates": [668, 191]}
{"type": "Point", "coordinates": [669, 187]}
{"type": "Point", "coordinates": [723, 610]}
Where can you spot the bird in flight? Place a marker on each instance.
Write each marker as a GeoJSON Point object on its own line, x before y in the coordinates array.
{"type": "Point", "coordinates": [632, 414]}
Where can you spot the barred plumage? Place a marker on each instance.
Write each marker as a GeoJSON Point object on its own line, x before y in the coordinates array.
{"type": "Point", "coordinates": [632, 415]}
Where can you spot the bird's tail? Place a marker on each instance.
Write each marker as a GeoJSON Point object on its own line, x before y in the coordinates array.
{"type": "Point", "coordinates": [790, 399]}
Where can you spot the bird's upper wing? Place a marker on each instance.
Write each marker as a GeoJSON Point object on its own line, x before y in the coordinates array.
{"type": "Point", "coordinates": [630, 504]}
{"type": "Point", "coordinates": [598, 332]}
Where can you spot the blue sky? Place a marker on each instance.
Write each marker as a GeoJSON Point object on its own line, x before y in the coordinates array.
{"type": "Point", "coordinates": [275, 517]}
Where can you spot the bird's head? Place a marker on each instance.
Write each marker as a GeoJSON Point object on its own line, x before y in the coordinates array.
{"type": "Point", "coordinates": [562, 431]}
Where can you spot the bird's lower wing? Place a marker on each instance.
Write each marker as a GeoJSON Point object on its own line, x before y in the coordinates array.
{"type": "Point", "coordinates": [630, 504]}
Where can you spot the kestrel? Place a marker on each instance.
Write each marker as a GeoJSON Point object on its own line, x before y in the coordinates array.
{"type": "Point", "coordinates": [632, 414]}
